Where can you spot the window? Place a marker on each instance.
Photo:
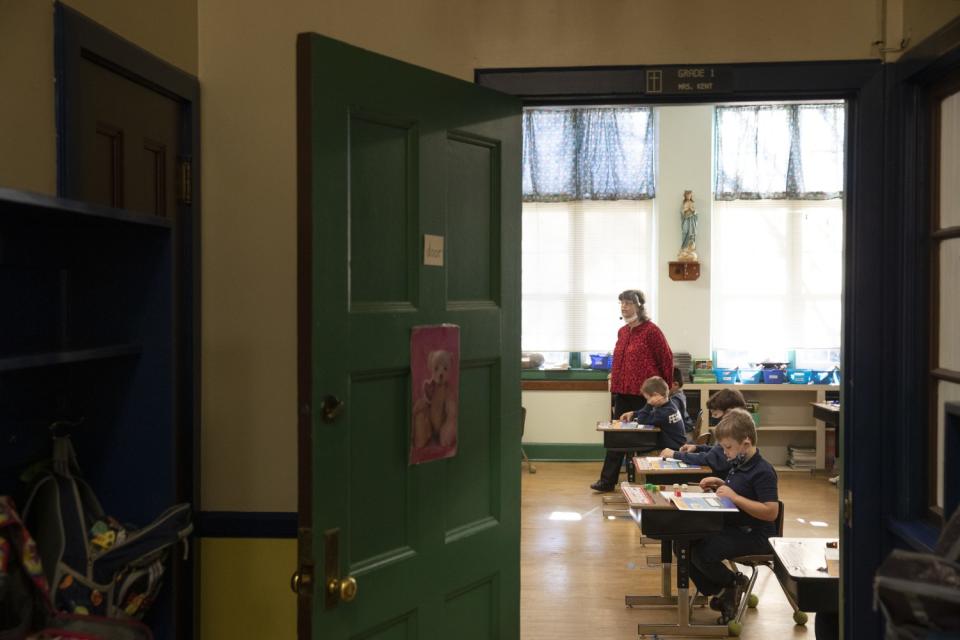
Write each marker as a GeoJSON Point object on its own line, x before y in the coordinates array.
{"type": "Point", "coordinates": [588, 191]}
{"type": "Point", "coordinates": [777, 240]}
{"type": "Point", "coordinates": [944, 375]}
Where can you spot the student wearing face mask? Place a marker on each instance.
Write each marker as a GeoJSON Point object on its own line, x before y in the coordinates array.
{"type": "Point", "coordinates": [719, 404]}
{"type": "Point", "coordinates": [642, 352]}
{"type": "Point", "coordinates": [751, 484]}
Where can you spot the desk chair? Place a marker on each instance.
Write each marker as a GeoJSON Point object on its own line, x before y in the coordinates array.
{"type": "Point", "coordinates": [701, 429]}
{"type": "Point", "coordinates": [735, 626]}
{"type": "Point", "coordinates": [523, 454]}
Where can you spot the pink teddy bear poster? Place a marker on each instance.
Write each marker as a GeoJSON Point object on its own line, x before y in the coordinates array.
{"type": "Point", "coordinates": [435, 376]}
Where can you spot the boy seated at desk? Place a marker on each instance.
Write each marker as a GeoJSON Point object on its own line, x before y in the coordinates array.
{"type": "Point", "coordinates": [711, 456]}
{"type": "Point", "coordinates": [751, 484]}
{"type": "Point", "coordinates": [662, 410]}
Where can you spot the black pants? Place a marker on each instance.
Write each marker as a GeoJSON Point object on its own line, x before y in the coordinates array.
{"type": "Point", "coordinates": [707, 569]}
{"type": "Point", "coordinates": [612, 462]}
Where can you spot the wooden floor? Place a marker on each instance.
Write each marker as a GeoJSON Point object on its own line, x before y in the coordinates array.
{"type": "Point", "coordinates": [574, 573]}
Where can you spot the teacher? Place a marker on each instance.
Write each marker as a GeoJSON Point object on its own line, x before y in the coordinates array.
{"type": "Point", "coordinates": [641, 352]}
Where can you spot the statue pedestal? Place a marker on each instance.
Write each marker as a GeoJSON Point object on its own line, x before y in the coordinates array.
{"type": "Point", "coordinates": [684, 270]}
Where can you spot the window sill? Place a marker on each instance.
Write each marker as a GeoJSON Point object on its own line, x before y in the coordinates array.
{"type": "Point", "coordinates": [563, 380]}
{"type": "Point", "coordinates": [916, 534]}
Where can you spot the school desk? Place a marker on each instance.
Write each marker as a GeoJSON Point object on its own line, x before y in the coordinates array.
{"type": "Point", "coordinates": [663, 472]}
{"type": "Point", "coordinates": [658, 518]}
{"type": "Point", "coordinates": [629, 440]}
{"type": "Point", "coordinates": [800, 565]}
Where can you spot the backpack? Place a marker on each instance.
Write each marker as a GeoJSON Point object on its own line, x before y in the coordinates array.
{"type": "Point", "coordinates": [919, 593]}
{"type": "Point", "coordinates": [25, 604]}
{"type": "Point", "coordinates": [93, 563]}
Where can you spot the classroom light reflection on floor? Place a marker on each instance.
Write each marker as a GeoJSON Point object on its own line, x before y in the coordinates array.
{"type": "Point", "coordinates": [818, 523]}
{"type": "Point", "coordinates": [566, 515]}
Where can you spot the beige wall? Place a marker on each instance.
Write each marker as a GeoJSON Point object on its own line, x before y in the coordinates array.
{"type": "Point", "coordinates": [166, 28]}
{"type": "Point", "coordinates": [922, 18]}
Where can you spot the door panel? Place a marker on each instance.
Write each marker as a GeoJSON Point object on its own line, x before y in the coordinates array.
{"type": "Point", "coordinates": [383, 177]}
{"type": "Point", "coordinates": [472, 192]}
{"type": "Point", "coordinates": [389, 152]}
{"type": "Point", "coordinates": [134, 133]}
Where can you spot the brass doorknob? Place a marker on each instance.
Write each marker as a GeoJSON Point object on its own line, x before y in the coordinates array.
{"type": "Point", "coordinates": [299, 581]}
{"type": "Point", "coordinates": [345, 589]}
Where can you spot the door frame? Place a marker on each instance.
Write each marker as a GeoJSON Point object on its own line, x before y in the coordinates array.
{"type": "Point", "coordinates": [78, 38]}
{"type": "Point", "coordinates": [868, 357]}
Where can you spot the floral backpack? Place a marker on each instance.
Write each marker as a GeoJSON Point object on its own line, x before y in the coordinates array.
{"type": "Point", "coordinates": [25, 607]}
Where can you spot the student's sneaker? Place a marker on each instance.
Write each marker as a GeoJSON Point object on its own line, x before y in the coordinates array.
{"type": "Point", "coordinates": [729, 599]}
{"type": "Point", "coordinates": [833, 480]}
{"type": "Point", "coordinates": [602, 488]}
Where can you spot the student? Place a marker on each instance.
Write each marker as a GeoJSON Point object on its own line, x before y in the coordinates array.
{"type": "Point", "coordinates": [662, 411]}
{"type": "Point", "coordinates": [676, 391]}
{"type": "Point", "coordinates": [751, 484]}
{"type": "Point", "coordinates": [706, 455]}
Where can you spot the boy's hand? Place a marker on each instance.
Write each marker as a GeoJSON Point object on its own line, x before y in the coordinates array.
{"type": "Point", "coordinates": [627, 417]}
{"type": "Point", "coordinates": [667, 453]}
{"type": "Point", "coordinates": [711, 483]}
{"type": "Point", "coordinates": [688, 448]}
{"type": "Point", "coordinates": [657, 400]}
{"type": "Point", "coordinates": [726, 492]}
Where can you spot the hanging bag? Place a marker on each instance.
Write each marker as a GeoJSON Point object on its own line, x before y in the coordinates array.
{"type": "Point", "coordinates": [919, 593]}
{"type": "Point", "coordinates": [93, 563]}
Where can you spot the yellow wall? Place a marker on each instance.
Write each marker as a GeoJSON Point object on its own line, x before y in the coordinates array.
{"type": "Point", "coordinates": [245, 589]}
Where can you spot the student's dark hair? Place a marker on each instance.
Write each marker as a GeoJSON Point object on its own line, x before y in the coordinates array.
{"type": "Point", "coordinates": [678, 376]}
{"type": "Point", "coordinates": [726, 399]}
{"type": "Point", "coordinates": [655, 384]}
{"type": "Point", "coordinates": [636, 297]}
{"type": "Point", "coordinates": [738, 425]}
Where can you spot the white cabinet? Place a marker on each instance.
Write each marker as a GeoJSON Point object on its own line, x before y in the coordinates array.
{"type": "Point", "coordinates": [786, 415]}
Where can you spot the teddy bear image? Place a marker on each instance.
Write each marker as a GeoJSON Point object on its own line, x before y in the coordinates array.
{"type": "Point", "coordinates": [435, 412]}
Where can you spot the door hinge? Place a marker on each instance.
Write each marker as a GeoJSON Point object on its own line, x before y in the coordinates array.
{"type": "Point", "coordinates": [186, 181]}
{"type": "Point", "coordinates": [848, 508]}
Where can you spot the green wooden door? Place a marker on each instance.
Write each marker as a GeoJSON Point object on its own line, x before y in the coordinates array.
{"type": "Point", "coordinates": [389, 152]}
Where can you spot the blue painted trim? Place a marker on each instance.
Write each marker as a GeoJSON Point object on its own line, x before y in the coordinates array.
{"type": "Point", "coordinates": [246, 524]}
{"type": "Point", "coordinates": [916, 534]}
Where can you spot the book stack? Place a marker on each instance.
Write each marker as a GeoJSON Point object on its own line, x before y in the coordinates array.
{"type": "Point", "coordinates": [801, 457]}
{"type": "Point", "coordinates": [683, 361]}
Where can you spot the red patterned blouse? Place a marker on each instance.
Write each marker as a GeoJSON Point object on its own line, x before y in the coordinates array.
{"type": "Point", "coordinates": [641, 352]}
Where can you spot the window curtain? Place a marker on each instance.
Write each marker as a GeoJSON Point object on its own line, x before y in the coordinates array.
{"type": "Point", "coordinates": [779, 152]}
{"type": "Point", "coordinates": [577, 154]}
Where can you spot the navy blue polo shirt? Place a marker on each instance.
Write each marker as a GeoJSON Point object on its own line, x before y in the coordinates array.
{"type": "Point", "coordinates": [712, 457]}
{"type": "Point", "coordinates": [755, 479]}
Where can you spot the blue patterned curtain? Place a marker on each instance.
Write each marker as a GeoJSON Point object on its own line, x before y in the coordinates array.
{"type": "Point", "coordinates": [588, 154]}
{"type": "Point", "coordinates": [779, 152]}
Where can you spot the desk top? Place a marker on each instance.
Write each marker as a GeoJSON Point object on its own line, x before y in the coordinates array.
{"type": "Point", "coordinates": [666, 467]}
{"type": "Point", "coordinates": [827, 406]}
{"type": "Point", "coordinates": [619, 428]}
{"type": "Point", "coordinates": [803, 558]}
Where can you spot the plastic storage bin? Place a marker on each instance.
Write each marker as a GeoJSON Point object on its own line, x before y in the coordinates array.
{"type": "Point", "coordinates": [774, 376]}
{"type": "Point", "coordinates": [798, 376]}
{"type": "Point", "coordinates": [750, 376]}
{"type": "Point", "coordinates": [600, 361]}
{"type": "Point", "coordinates": [726, 376]}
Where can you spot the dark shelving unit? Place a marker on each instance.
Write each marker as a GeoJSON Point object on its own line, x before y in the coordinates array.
{"type": "Point", "coordinates": [88, 332]}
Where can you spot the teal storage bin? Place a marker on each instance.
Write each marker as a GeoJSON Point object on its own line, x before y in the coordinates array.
{"type": "Point", "coordinates": [726, 376]}
{"type": "Point", "coordinates": [751, 376]}
{"type": "Point", "coordinates": [799, 376]}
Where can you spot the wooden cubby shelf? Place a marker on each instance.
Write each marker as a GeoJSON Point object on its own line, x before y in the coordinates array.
{"type": "Point", "coordinates": [67, 356]}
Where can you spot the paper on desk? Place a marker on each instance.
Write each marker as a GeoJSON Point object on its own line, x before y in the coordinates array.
{"type": "Point", "coordinates": [690, 501]}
